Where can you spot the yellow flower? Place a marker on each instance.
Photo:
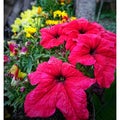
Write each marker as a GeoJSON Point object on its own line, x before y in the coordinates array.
{"type": "Point", "coordinates": [17, 21]}
{"type": "Point", "coordinates": [64, 14]}
{"type": "Point", "coordinates": [64, 20]}
{"type": "Point", "coordinates": [57, 13]}
{"type": "Point", "coordinates": [15, 28]}
{"type": "Point", "coordinates": [30, 29]}
{"type": "Point", "coordinates": [28, 22]}
{"type": "Point", "coordinates": [56, 22]}
{"type": "Point", "coordinates": [28, 14]}
{"type": "Point", "coordinates": [39, 10]}
{"type": "Point", "coordinates": [21, 75]}
{"type": "Point", "coordinates": [48, 22]}
{"type": "Point", "coordinates": [73, 18]}
{"type": "Point", "coordinates": [16, 72]}
{"type": "Point", "coordinates": [28, 35]}
{"type": "Point", "coordinates": [52, 22]}
{"type": "Point", "coordinates": [34, 9]}
{"type": "Point", "coordinates": [62, 3]}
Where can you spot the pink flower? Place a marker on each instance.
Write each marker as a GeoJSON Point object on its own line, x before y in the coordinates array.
{"type": "Point", "coordinates": [60, 86]}
{"type": "Point", "coordinates": [93, 50]}
{"type": "Point", "coordinates": [78, 28]}
{"type": "Point", "coordinates": [22, 89]}
{"type": "Point", "coordinates": [6, 59]}
{"type": "Point", "coordinates": [82, 26]}
{"type": "Point", "coordinates": [13, 47]}
{"type": "Point", "coordinates": [27, 43]}
{"type": "Point", "coordinates": [52, 37]}
{"type": "Point", "coordinates": [24, 50]}
{"type": "Point", "coordinates": [89, 47]}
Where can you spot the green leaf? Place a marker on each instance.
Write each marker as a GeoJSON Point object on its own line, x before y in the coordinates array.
{"type": "Point", "coordinates": [107, 110]}
{"type": "Point", "coordinates": [29, 65]}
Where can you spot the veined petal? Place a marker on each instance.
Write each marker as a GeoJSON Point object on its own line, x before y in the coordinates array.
{"type": "Point", "coordinates": [55, 90]}
{"type": "Point", "coordinates": [75, 79]}
{"type": "Point", "coordinates": [39, 77]}
{"type": "Point", "coordinates": [104, 75]}
{"type": "Point", "coordinates": [41, 102]}
{"type": "Point", "coordinates": [82, 82]}
{"type": "Point", "coordinates": [72, 104]}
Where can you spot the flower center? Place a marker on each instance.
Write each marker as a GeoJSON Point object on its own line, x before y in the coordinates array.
{"type": "Point", "coordinates": [57, 36]}
{"type": "Point", "coordinates": [81, 31]}
{"type": "Point", "coordinates": [92, 51]}
{"type": "Point", "coordinates": [60, 78]}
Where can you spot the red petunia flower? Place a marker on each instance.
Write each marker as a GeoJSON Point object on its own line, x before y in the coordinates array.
{"type": "Point", "coordinates": [93, 50]}
{"type": "Point", "coordinates": [52, 37]}
{"type": "Point", "coordinates": [80, 27]}
{"type": "Point", "coordinates": [89, 47]}
{"type": "Point", "coordinates": [60, 86]}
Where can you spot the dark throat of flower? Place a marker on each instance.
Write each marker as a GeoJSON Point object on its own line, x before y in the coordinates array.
{"type": "Point", "coordinates": [60, 78]}
{"type": "Point", "coordinates": [92, 51]}
{"type": "Point", "coordinates": [57, 36]}
{"type": "Point", "coordinates": [82, 31]}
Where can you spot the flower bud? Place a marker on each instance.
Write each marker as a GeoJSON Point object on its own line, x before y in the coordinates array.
{"type": "Point", "coordinates": [27, 43]}
{"type": "Point", "coordinates": [24, 50]}
{"type": "Point", "coordinates": [22, 89]}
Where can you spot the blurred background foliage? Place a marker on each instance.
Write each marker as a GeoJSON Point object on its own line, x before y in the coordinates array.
{"type": "Point", "coordinates": [108, 15]}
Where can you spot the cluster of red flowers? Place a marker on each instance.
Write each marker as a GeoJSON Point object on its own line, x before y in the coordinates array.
{"type": "Point", "coordinates": [59, 84]}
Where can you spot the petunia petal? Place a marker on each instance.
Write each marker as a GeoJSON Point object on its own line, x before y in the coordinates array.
{"type": "Point", "coordinates": [72, 104]}
{"type": "Point", "coordinates": [39, 77]}
{"type": "Point", "coordinates": [104, 75]}
{"type": "Point", "coordinates": [41, 102]}
{"type": "Point", "coordinates": [82, 82]}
